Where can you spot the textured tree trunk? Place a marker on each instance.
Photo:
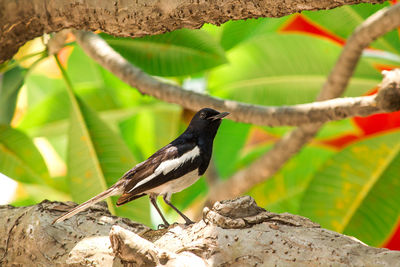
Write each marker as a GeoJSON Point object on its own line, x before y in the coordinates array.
{"type": "Point", "coordinates": [233, 233]}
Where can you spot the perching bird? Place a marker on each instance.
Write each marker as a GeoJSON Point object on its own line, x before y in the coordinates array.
{"type": "Point", "coordinates": [171, 169]}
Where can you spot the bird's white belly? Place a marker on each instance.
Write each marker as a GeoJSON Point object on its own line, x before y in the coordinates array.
{"type": "Point", "coordinates": [176, 185]}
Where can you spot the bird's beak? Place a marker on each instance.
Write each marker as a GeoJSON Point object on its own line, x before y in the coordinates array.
{"type": "Point", "coordinates": [219, 116]}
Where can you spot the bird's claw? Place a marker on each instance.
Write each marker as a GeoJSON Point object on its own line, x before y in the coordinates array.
{"type": "Point", "coordinates": [189, 222]}
{"type": "Point", "coordinates": [162, 226]}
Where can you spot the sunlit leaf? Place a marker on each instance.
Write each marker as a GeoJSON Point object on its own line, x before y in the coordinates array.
{"type": "Point", "coordinates": [53, 108]}
{"type": "Point", "coordinates": [176, 53]}
{"type": "Point", "coordinates": [150, 129]}
{"type": "Point", "coordinates": [228, 143]}
{"type": "Point", "coordinates": [39, 87]}
{"type": "Point", "coordinates": [97, 158]}
{"type": "Point", "coordinates": [20, 159]}
{"type": "Point", "coordinates": [236, 32]}
{"type": "Point", "coordinates": [283, 69]}
{"type": "Point", "coordinates": [336, 128]}
{"type": "Point", "coordinates": [357, 191]}
{"type": "Point", "coordinates": [283, 191]}
{"type": "Point", "coordinates": [30, 194]}
{"type": "Point", "coordinates": [343, 20]}
{"type": "Point", "coordinates": [10, 83]}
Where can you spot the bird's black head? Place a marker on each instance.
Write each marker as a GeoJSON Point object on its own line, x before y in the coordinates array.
{"type": "Point", "coordinates": [207, 121]}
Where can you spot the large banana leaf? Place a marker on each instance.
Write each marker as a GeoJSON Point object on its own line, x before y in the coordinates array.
{"type": "Point", "coordinates": [49, 104]}
{"type": "Point", "coordinates": [181, 52]}
{"type": "Point", "coordinates": [239, 31]}
{"type": "Point", "coordinates": [283, 191]}
{"type": "Point", "coordinates": [342, 22]}
{"type": "Point", "coordinates": [279, 69]}
{"type": "Point", "coordinates": [97, 157]}
{"type": "Point", "coordinates": [20, 159]}
{"type": "Point", "coordinates": [40, 86]}
{"type": "Point", "coordinates": [357, 191]}
{"type": "Point", "coordinates": [10, 83]}
{"type": "Point", "coordinates": [150, 129]}
{"type": "Point", "coordinates": [228, 144]}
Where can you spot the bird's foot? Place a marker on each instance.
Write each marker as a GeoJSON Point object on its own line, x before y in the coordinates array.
{"type": "Point", "coordinates": [162, 226]}
{"type": "Point", "coordinates": [189, 222]}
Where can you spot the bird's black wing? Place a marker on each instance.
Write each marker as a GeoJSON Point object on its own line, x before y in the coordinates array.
{"type": "Point", "coordinates": [149, 174]}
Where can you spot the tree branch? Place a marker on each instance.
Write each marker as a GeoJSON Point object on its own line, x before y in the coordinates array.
{"type": "Point", "coordinates": [262, 169]}
{"type": "Point", "coordinates": [294, 115]}
{"type": "Point", "coordinates": [29, 239]}
{"type": "Point", "coordinates": [234, 232]}
{"type": "Point", "coordinates": [23, 20]}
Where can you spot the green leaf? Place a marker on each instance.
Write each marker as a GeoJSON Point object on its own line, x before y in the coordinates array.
{"type": "Point", "coordinates": [228, 144]}
{"type": "Point", "coordinates": [239, 31]}
{"type": "Point", "coordinates": [150, 129]}
{"type": "Point", "coordinates": [283, 69]}
{"type": "Point", "coordinates": [122, 94]}
{"type": "Point", "coordinates": [47, 112]}
{"type": "Point", "coordinates": [283, 191]}
{"type": "Point", "coordinates": [342, 21]}
{"type": "Point", "coordinates": [35, 193]}
{"type": "Point", "coordinates": [20, 159]}
{"type": "Point", "coordinates": [334, 129]}
{"type": "Point", "coordinates": [181, 52]}
{"type": "Point", "coordinates": [10, 83]}
{"type": "Point", "coordinates": [83, 70]}
{"type": "Point", "coordinates": [40, 86]}
{"type": "Point", "coordinates": [357, 191]}
{"type": "Point", "coordinates": [97, 158]}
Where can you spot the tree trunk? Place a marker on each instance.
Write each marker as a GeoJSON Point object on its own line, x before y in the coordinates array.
{"type": "Point", "coordinates": [233, 233]}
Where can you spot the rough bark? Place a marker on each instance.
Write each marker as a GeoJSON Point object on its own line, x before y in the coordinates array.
{"type": "Point", "coordinates": [22, 20]}
{"type": "Point", "coordinates": [29, 239]}
{"type": "Point", "coordinates": [233, 233]}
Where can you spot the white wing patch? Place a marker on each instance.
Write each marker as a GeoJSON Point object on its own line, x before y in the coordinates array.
{"type": "Point", "coordinates": [170, 165]}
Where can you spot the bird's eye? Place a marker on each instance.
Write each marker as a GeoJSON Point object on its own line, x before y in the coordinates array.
{"type": "Point", "coordinates": [202, 115]}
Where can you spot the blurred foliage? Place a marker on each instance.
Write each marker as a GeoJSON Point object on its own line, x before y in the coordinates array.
{"type": "Point", "coordinates": [68, 136]}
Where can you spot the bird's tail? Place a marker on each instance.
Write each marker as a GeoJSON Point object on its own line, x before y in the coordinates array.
{"type": "Point", "coordinates": [112, 191]}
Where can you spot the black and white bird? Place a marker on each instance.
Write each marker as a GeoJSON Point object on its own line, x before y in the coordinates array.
{"type": "Point", "coordinates": [171, 169]}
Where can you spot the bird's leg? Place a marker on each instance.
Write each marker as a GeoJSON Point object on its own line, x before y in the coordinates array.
{"type": "Point", "coordinates": [153, 200]}
{"type": "Point", "coordinates": [167, 198]}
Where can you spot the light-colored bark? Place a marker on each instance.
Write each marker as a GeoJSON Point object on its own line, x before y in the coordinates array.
{"type": "Point", "coordinates": [29, 239]}
{"type": "Point", "coordinates": [23, 20]}
{"type": "Point", "coordinates": [232, 233]}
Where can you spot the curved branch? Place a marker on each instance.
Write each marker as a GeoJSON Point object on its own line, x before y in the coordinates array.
{"type": "Point", "coordinates": [294, 115]}
{"type": "Point", "coordinates": [23, 20]}
{"type": "Point", "coordinates": [262, 169]}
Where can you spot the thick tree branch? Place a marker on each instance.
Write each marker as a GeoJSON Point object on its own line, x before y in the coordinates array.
{"type": "Point", "coordinates": [234, 232]}
{"type": "Point", "coordinates": [295, 115]}
{"type": "Point", "coordinates": [29, 239]}
{"type": "Point", "coordinates": [23, 20]}
{"type": "Point", "coordinates": [375, 26]}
